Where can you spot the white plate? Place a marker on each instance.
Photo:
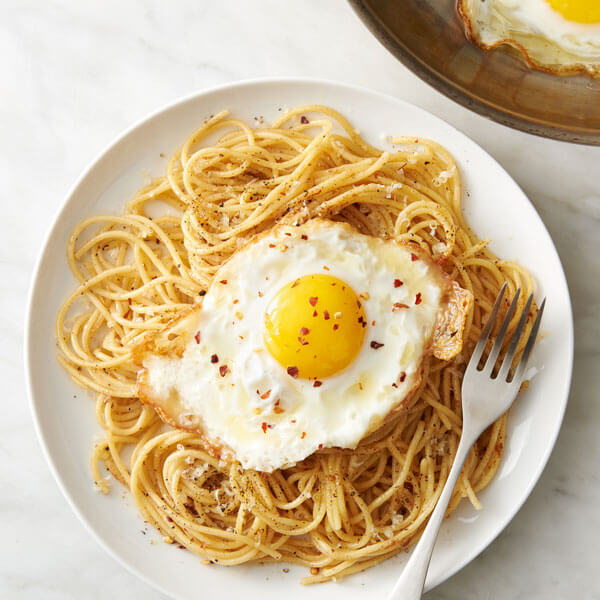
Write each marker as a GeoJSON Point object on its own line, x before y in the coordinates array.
{"type": "Point", "coordinates": [64, 415]}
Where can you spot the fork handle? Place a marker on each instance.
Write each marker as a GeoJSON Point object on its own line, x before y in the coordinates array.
{"type": "Point", "coordinates": [410, 583]}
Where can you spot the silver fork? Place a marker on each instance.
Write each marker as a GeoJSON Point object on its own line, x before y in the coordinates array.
{"type": "Point", "coordinates": [484, 399]}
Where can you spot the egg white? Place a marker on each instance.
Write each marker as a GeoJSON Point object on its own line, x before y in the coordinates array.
{"type": "Point", "coordinates": [547, 37]}
{"type": "Point", "coordinates": [236, 411]}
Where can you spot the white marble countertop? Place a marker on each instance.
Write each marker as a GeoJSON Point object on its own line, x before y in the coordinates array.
{"type": "Point", "coordinates": [75, 74]}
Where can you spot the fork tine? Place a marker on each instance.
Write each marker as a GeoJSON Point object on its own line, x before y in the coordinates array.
{"type": "Point", "coordinates": [485, 332]}
{"type": "Point", "coordinates": [491, 361]}
{"type": "Point", "coordinates": [516, 338]}
{"type": "Point", "coordinates": [520, 371]}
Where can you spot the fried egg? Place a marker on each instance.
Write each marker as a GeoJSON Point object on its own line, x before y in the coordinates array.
{"type": "Point", "coordinates": [555, 35]}
{"type": "Point", "coordinates": [307, 338]}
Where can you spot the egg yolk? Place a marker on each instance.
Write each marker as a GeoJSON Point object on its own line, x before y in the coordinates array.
{"type": "Point", "coordinates": [579, 11]}
{"type": "Point", "coordinates": [315, 326]}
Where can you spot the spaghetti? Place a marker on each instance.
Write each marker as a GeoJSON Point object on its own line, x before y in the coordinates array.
{"type": "Point", "coordinates": [339, 511]}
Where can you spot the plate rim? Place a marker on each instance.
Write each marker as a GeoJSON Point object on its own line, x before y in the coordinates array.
{"type": "Point", "coordinates": [34, 291]}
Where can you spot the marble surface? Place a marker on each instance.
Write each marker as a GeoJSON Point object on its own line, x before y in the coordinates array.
{"type": "Point", "coordinates": [75, 74]}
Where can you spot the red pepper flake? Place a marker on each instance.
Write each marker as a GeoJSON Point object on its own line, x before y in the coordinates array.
{"type": "Point", "coordinates": [398, 282]}
{"type": "Point", "coordinates": [293, 420]}
{"type": "Point", "coordinates": [360, 386]}
{"type": "Point", "coordinates": [326, 315]}
{"type": "Point", "coordinates": [326, 267]}
{"type": "Point", "coordinates": [260, 294]}
{"type": "Point", "coordinates": [413, 256]}
{"type": "Point", "coordinates": [304, 330]}
{"type": "Point", "coordinates": [223, 370]}
{"type": "Point", "coordinates": [271, 245]}
{"type": "Point", "coordinates": [394, 385]}
{"type": "Point", "coordinates": [264, 427]}
{"type": "Point", "coordinates": [320, 446]}
{"type": "Point", "coordinates": [398, 306]}
{"type": "Point", "coordinates": [313, 300]}
{"type": "Point", "coordinates": [288, 233]}
{"type": "Point", "coordinates": [315, 313]}
{"type": "Point", "coordinates": [335, 326]}
{"type": "Point", "coordinates": [197, 337]}
{"type": "Point", "coordinates": [376, 345]}
{"type": "Point", "coordinates": [303, 341]}
{"type": "Point", "coordinates": [402, 377]}
{"type": "Point", "coordinates": [127, 314]}
{"type": "Point", "coordinates": [317, 383]}
{"type": "Point", "coordinates": [373, 323]}
{"type": "Point", "coordinates": [418, 299]}
{"type": "Point", "coordinates": [278, 410]}
{"type": "Point", "coordinates": [295, 283]}
{"type": "Point", "coordinates": [303, 435]}
{"type": "Point", "coordinates": [214, 359]}
{"type": "Point", "coordinates": [303, 120]}
{"type": "Point", "coordinates": [223, 281]}
{"type": "Point", "coordinates": [293, 372]}
{"type": "Point", "coordinates": [236, 301]}
{"type": "Point", "coordinates": [304, 236]}
{"type": "Point", "coordinates": [265, 395]}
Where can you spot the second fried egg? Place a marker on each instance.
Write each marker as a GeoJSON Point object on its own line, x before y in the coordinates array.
{"type": "Point", "coordinates": [307, 338]}
{"type": "Point", "coordinates": [555, 35]}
